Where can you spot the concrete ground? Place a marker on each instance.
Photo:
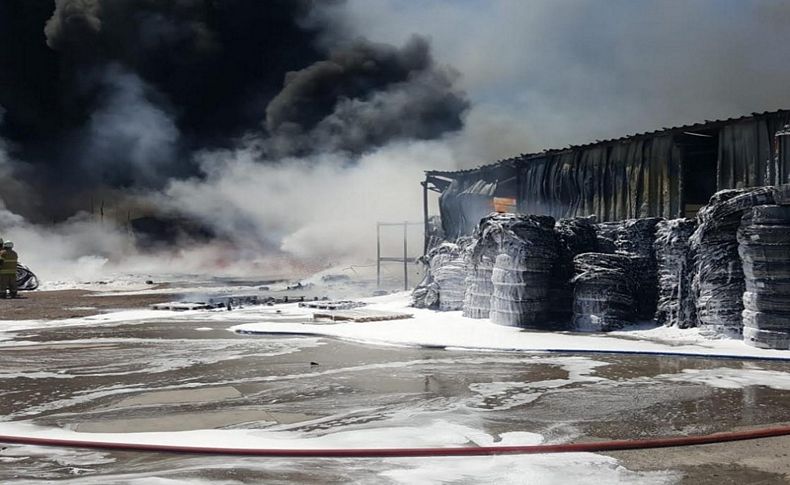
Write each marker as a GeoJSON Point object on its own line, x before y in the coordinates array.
{"type": "Point", "coordinates": [761, 461]}
{"type": "Point", "coordinates": [183, 375]}
{"type": "Point", "coordinates": [36, 305]}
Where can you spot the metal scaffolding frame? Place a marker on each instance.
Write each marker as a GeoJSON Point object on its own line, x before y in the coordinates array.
{"type": "Point", "coordinates": [395, 259]}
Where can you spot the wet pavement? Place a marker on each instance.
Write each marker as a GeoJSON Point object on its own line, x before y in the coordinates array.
{"type": "Point", "coordinates": [182, 375]}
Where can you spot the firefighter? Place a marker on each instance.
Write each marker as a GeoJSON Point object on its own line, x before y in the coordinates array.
{"type": "Point", "coordinates": [8, 260]}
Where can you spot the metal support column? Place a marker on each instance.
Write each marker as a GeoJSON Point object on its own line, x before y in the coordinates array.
{"type": "Point", "coordinates": [378, 255]}
{"type": "Point", "coordinates": [426, 231]}
{"type": "Point", "coordinates": [405, 259]}
{"type": "Point", "coordinates": [405, 256]}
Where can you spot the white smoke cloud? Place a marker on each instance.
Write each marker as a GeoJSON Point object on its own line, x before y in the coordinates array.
{"type": "Point", "coordinates": [129, 139]}
{"type": "Point", "coordinates": [320, 210]}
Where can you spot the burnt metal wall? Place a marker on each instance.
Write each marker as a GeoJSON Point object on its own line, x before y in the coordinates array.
{"type": "Point", "coordinates": [464, 203]}
{"type": "Point", "coordinates": [621, 180]}
{"type": "Point", "coordinates": [747, 153]}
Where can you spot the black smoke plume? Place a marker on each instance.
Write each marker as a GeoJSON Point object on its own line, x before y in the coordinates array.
{"type": "Point", "coordinates": [364, 95]}
{"type": "Point", "coordinates": [119, 94]}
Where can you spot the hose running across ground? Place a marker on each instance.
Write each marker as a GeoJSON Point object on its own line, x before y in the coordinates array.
{"type": "Point", "coordinates": [588, 447]}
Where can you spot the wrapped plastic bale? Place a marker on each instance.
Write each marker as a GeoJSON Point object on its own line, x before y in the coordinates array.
{"type": "Point", "coordinates": [603, 294]}
{"type": "Point", "coordinates": [718, 282]}
{"type": "Point", "coordinates": [606, 234]}
{"type": "Point", "coordinates": [449, 272]}
{"type": "Point", "coordinates": [522, 269]}
{"type": "Point", "coordinates": [636, 238]}
{"type": "Point", "coordinates": [575, 236]}
{"type": "Point", "coordinates": [426, 293]}
{"type": "Point", "coordinates": [674, 265]}
{"type": "Point", "coordinates": [26, 280]}
{"type": "Point", "coordinates": [764, 247]}
{"type": "Point", "coordinates": [479, 259]}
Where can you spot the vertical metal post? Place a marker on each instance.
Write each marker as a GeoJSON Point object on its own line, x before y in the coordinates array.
{"type": "Point", "coordinates": [681, 187]}
{"type": "Point", "coordinates": [405, 257]}
{"type": "Point", "coordinates": [425, 215]}
{"type": "Point", "coordinates": [781, 139]}
{"type": "Point", "coordinates": [378, 255]}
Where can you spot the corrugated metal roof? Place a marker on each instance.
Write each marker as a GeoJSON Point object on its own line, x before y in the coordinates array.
{"type": "Point", "coordinates": [707, 124]}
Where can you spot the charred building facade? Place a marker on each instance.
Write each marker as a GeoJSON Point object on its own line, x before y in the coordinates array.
{"type": "Point", "coordinates": [667, 173]}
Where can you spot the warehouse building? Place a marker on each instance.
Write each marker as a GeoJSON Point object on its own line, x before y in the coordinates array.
{"type": "Point", "coordinates": [669, 173]}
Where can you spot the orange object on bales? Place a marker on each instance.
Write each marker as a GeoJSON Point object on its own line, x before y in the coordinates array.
{"type": "Point", "coordinates": [504, 204]}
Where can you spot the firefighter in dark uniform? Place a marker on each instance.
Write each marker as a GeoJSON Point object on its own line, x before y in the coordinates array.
{"type": "Point", "coordinates": [8, 262]}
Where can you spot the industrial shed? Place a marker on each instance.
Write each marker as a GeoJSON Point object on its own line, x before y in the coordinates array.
{"type": "Point", "coordinates": [669, 173]}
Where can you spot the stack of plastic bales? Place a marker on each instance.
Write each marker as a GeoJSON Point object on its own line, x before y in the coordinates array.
{"type": "Point", "coordinates": [479, 258]}
{"type": "Point", "coordinates": [764, 247]}
{"type": "Point", "coordinates": [522, 270]}
{"type": "Point", "coordinates": [606, 234]}
{"type": "Point", "coordinates": [575, 236]}
{"type": "Point", "coordinates": [449, 273]}
{"type": "Point", "coordinates": [673, 258]}
{"type": "Point", "coordinates": [603, 294]}
{"type": "Point", "coordinates": [718, 277]}
{"type": "Point", "coordinates": [636, 238]}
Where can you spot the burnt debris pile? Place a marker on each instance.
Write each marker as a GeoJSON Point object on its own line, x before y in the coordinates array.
{"type": "Point", "coordinates": [675, 306]}
{"type": "Point", "coordinates": [718, 273]}
{"type": "Point", "coordinates": [426, 293]}
{"type": "Point", "coordinates": [603, 292]}
{"type": "Point", "coordinates": [764, 247]}
{"type": "Point", "coordinates": [522, 269]}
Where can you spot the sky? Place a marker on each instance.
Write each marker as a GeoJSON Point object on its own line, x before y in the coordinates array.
{"type": "Point", "coordinates": [573, 71]}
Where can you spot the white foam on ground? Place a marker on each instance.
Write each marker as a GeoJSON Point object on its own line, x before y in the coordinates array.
{"type": "Point", "coordinates": [558, 469]}
{"type": "Point", "coordinates": [728, 378]}
{"type": "Point", "coordinates": [170, 356]}
{"type": "Point", "coordinates": [104, 319]}
{"type": "Point", "coordinates": [435, 433]}
{"type": "Point", "coordinates": [497, 396]}
{"type": "Point", "coordinates": [61, 456]}
{"type": "Point", "coordinates": [544, 469]}
{"type": "Point", "coordinates": [426, 328]}
{"type": "Point", "coordinates": [452, 330]}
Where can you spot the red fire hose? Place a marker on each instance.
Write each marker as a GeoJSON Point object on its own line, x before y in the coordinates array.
{"type": "Point", "coordinates": [595, 446]}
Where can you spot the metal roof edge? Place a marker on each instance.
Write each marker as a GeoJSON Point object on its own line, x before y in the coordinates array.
{"type": "Point", "coordinates": [707, 124]}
